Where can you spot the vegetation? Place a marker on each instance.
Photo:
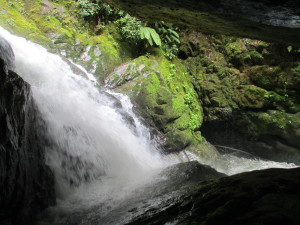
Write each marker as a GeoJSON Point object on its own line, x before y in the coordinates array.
{"type": "Point", "coordinates": [170, 38]}
{"type": "Point", "coordinates": [159, 34]}
{"type": "Point", "coordinates": [87, 8]}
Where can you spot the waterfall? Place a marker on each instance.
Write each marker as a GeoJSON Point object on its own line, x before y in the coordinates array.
{"type": "Point", "coordinates": [88, 138]}
{"type": "Point", "coordinates": [97, 148]}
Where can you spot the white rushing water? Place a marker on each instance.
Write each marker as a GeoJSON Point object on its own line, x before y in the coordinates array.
{"type": "Point", "coordinates": [89, 135]}
{"type": "Point", "coordinates": [90, 139]}
{"type": "Point", "coordinates": [231, 164]}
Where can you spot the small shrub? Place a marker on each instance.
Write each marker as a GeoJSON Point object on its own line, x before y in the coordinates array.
{"type": "Point", "coordinates": [87, 8]}
{"type": "Point", "coordinates": [130, 28]}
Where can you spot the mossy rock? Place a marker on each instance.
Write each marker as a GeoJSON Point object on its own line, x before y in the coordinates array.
{"type": "Point", "coordinates": [165, 96]}
{"type": "Point", "coordinates": [274, 123]}
{"type": "Point", "coordinates": [280, 78]}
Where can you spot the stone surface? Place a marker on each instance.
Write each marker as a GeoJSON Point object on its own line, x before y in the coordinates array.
{"type": "Point", "coordinates": [265, 20]}
{"type": "Point", "coordinates": [259, 197]}
{"type": "Point", "coordinates": [26, 183]}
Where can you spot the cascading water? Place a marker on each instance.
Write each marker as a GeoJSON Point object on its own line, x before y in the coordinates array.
{"type": "Point", "coordinates": [96, 155]}
{"type": "Point", "coordinates": [87, 134]}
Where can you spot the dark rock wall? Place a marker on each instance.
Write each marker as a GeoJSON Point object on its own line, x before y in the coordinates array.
{"type": "Point", "coordinates": [265, 20]}
{"type": "Point", "coordinates": [26, 183]}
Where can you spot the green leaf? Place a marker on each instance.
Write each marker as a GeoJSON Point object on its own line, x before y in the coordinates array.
{"type": "Point", "coordinates": [147, 32]}
{"type": "Point", "coordinates": [176, 40]}
{"type": "Point", "coordinates": [150, 41]}
{"type": "Point", "coordinates": [174, 33]}
{"type": "Point", "coordinates": [142, 33]}
{"type": "Point", "coordinates": [169, 40]}
{"type": "Point", "coordinates": [155, 37]}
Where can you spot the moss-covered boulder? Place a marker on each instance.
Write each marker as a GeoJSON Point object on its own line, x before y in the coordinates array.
{"type": "Point", "coordinates": [165, 96]}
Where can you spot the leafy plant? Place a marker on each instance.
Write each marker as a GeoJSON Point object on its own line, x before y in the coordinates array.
{"type": "Point", "coordinates": [107, 14]}
{"type": "Point", "coordinates": [188, 99]}
{"type": "Point", "coordinates": [172, 73]}
{"type": "Point", "coordinates": [167, 32]}
{"type": "Point", "coordinates": [169, 51]}
{"type": "Point", "coordinates": [133, 30]}
{"type": "Point", "coordinates": [194, 121]}
{"type": "Point", "coordinates": [169, 37]}
{"type": "Point", "coordinates": [150, 35]}
{"type": "Point", "coordinates": [87, 8]}
{"type": "Point", "coordinates": [130, 28]}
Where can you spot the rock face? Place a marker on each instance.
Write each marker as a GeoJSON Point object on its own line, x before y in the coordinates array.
{"type": "Point", "coordinates": [26, 183]}
{"type": "Point", "coordinates": [249, 93]}
{"type": "Point", "coordinates": [265, 20]}
{"type": "Point", "coordinates": [247, 88]}
{"type": "Point", "coordinates": [260, 197]}
{"type": "Point", "coordinates": [7, 54]}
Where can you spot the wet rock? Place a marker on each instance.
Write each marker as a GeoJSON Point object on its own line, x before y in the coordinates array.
{"type": "Point", "coordinates": [7, 55]}
{"type": "Point", "coordinates": [259, 197]}
{"type": "Point", "coordinates": [156, 197]}
{"type": "Point", "coordinates": [190, 193]}
{"type": "Point", "coordinates": [122, 74]}
{"type": "Point", "coordinates": [26, 183]}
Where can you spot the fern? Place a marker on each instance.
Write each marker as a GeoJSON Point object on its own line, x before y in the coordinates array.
{"type": "Point", "coordinates": [150, 35]}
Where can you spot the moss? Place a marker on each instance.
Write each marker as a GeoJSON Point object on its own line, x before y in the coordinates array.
{"type": "Point", "coordinates": [14, 18]}
{"type": "Point", "coordinates": [274, 122]}
{"type": "Point", "coordinates": [166, 96]}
